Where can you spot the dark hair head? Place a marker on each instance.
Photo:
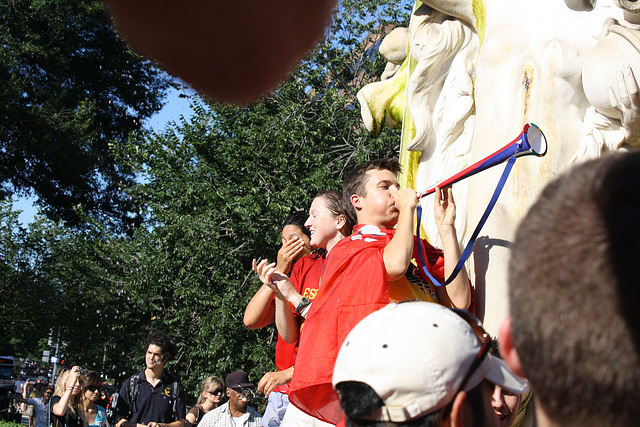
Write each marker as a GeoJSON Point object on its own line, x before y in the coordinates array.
{"type": "Point", "coordinates": [336, 205]}
{"type": "Point", "coordinates": [573, 291]}
{"type": "Point", "coordinates": [164, 341]}
{"type": "Point", "coordinates": [298, 219]}
{"type": "Point", "coordinates": [359, 400]}
{"type": "Point", "coordinates": [355, 181]}
{"type": "Point", "coordinates": [92, 379]}
{"type": "Point", "coordinates": [494, 348]}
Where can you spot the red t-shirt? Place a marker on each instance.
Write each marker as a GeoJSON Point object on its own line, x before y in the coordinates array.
{"type": "Point", "coordinates": [305, 277]}
{"type": "Point", "coordinates": [353, 285]}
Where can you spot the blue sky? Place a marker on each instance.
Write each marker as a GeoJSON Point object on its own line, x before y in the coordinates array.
{"type": "Point", "coordinates": [173, 109]}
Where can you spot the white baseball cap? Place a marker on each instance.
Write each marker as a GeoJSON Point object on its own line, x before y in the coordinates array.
{"type": "Point", "coordinates": [415, 355]}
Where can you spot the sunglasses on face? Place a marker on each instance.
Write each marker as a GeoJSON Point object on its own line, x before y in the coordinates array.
{"type": "Point", "coordinates": [248, 393]}
{"type": "Point", "coordinates": [216, 391]}
{"type": "Point", "coordinates": [95, 388]}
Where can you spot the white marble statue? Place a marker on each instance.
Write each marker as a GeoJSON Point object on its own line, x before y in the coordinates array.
{"type": "Point", "coordinates": [477, 72]}
{"type": "Point", "coordinates": [609, 82]}
{"type": "Point", "coordinates": [439, 100]}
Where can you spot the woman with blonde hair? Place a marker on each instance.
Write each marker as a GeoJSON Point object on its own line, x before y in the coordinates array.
{"type": "Point", "coordinates": [66, 403]}
{"type": "Point", "coordinates": [211, 391]}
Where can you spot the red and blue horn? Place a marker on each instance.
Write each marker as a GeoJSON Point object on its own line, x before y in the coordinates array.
{"type": "Point", "coordinates": [531, 141]}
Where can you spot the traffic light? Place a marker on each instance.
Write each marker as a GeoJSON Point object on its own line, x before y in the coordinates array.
{"type": "Point", "coordinates": [62, 360]}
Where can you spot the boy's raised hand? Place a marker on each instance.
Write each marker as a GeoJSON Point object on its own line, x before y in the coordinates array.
{"type": "Point", "coordinates": [444, 207]}
{"type": "Point", "coordinates": [406, 199]}
{"type": "Point", "coordinates": [397, 253]}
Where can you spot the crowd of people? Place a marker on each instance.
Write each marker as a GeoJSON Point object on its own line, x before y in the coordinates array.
{"type": "Point", "coordinates": [366, 339]}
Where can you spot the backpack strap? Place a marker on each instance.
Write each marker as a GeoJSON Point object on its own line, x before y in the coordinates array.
{"type": "Point", "coordinates": [174, 396]}
{"type": "Point", "coordinates": [134, 385]}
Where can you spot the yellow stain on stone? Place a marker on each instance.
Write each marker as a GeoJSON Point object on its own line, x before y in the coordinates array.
{"type": "Point", "coordinates": [480, 12]}
{"type": "Point", "coordinates": [386, 99]}
{"type": "Point", "coordinates": [409, 160]}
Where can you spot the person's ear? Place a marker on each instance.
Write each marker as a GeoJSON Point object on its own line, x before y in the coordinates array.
{"type": "Point", "coordinates": [341, 221]}
{"type": "Point", "coordinates": [227, 392]}
{"type": "Point", "coordinates": [356, 201]}
{"type": "Point", "coordinates": [461, 413]}
{"type": "Point", "coordinates": [508, 351]}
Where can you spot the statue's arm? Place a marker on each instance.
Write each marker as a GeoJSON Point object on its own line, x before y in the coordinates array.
{"type": "Point", "coordinates": [626, 99]}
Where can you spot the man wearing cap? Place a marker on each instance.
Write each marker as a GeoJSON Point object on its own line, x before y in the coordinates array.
{"type": "Point", "coordinates": [421, 364]}
{"type": "Point", "coordinates": [236, 412]}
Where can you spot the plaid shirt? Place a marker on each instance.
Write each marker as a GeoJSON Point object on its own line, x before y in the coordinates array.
{"type": "Point", "coordinates": [221, 417]}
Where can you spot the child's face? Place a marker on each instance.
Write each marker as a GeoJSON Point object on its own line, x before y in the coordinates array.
{"type": "Point", "coordinates": [322, 223]}
{"type": "Point", "coordinates": [377, 206]}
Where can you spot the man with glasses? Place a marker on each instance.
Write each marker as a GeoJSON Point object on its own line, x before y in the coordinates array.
{"type": "Point", "coordinates": [153, 397]}
{"type": "Point", "coordinates": [40, 405]}
{"type": "Point", "coordinates": [236, 412]}
{"type": "Point", "coordinates": [574, 291]}
{"type": "Point", "coordinates": [419, 364]}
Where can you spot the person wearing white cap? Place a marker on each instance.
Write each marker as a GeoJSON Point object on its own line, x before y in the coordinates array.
{"type": "Point", "coordinates": [419, 364]}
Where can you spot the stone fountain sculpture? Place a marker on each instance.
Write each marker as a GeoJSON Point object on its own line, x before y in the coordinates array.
{"type": "Point", "coordinates": [466, 76]}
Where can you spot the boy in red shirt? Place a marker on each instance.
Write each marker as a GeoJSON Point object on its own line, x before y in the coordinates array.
{"type": "Point", "coordinates": [366, 271]}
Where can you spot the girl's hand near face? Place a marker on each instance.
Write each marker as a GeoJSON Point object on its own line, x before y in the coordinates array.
{"type": "Point", "coordinates": [289, 251]}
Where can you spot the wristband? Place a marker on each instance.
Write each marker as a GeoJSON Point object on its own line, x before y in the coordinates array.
{"type": "Point", "coordinates": [304, 302]}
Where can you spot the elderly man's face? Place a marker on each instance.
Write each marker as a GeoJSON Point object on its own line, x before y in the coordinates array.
{"type": "Point", "coordinates": [237, 401]}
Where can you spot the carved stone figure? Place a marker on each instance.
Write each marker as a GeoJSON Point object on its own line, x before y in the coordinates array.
{"type": "Point", "coordinates": [476, 73]}
{"type": "Point", "coordinates": [609, 82]}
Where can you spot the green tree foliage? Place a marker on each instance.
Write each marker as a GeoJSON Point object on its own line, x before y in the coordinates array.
{"type": "Point", "coordinates": [59, 281]}
{"type": "Point", "coordinates": [19, 265]}
{"type": "Point", "coordinates": [69, 87]}
{"type": "Point", "coordinates": [216, 189]}
{"type": "Point", "coordinates": [211, 195]}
